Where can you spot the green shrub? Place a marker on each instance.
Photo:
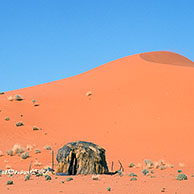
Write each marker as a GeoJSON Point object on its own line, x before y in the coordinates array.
{"type": "Point", "coordinates": [108, 189]}
{"type": "Point", "coordinates": [7, 118]}
{"type": "Point", "coordinates": [131, 165]}
{"type": "Point", "coordinates": [69, 179]}
{"type": "Point", "coordinates": [145, 171]}
{"type": "Point", "coordinates": [179, 171]}
{"type": "Point", "coordinates": [18, 124]}
{"type": "Point", "coordinates": [9, 182]}
{"type": "Point", "coordinates": [181, 177]}
{"type": "Point", "coordinates": [132, 174]}
{"type": "Point", "coordinates": [18, 97]}
{"type": "Point", "coordinates": [47, 177]}
{"type": "Point", "coordinates": [37, 151]}
{"type": "Point", "coordinates": [1, 93]}
{"type": "Point", "coordinates": [35, 128]}
{"type": "Point", "coordinates": [133, 179]}
{"type": "Point", "coordinates": [25, 155]}
{"type": "Point", "coordinates": [33, 101]}
{"type": "Point", "coordinates": [27, 177]}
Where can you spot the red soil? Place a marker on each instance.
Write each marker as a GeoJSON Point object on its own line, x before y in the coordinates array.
{"type": "Point", "coordinates": [140, 106]}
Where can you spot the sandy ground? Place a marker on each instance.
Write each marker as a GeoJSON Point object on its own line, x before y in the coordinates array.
{"type": "Point", "coordinates": [141, 107]}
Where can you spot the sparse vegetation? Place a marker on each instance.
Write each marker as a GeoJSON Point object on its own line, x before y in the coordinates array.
{"type": "Point", "coordinates": [10, 98]}
{"type": "Point", "coordinates": [89, 93]}
{"type": "Point", "coordinates": [18, 97]}
{"type": "Point", "coordinates": [18, 124]}
{"type": "Point", "coordinates": [36, 104]}
{"type": "Point", "coordinates": [69, 179]}
{"type": "Point", "coordinates": [181, 177]}
{"type": "Point", "coordinates": [7, 118]}
{"type": "Point", "coordinates": [163, 189]}
{"type": "Point", "coordinates": [132, 175]}
{"type": "Point", "coordinates": [9, 152]}
{"type": "Point", "coordinates": [95, 177]}
{"type": "Point", "coordinates": [27, 177]}
{"type": "Point", "coordinates": [108, 189]}
{"type": "Point", "coordinates": [35, 128]}
{"type": "Point", "coordinates": [131, 165]}
{"type": "Point", "coordinates": [148, 163]}
{"type": "Point", "coordinates": [29, 147]}
{"type": "Point", "coordinates": [145, 171]}
{"type": "Point", "coordinates": [17, 149]}
{"type": "Point", "coordinates": [9, 182]}
{"type": "Point", "coordinates": [47, 177]}
{"type": "Point", "coordinates": [47, 147]}
{"type": "Point", "coordinates": [179, 171]}
{"type": "Point", "coordinates": [1, 153]}
{"type": "Point", "coordinates": [1, 93]}
{"type": "Point", "coordinates": [162, 167]}
{"type": "Point", "coordinates": [33, 101]}
{"type": "Point", "coordinates": [25, 155]}
{"type": "Point", "coordinates": [37, 151]}
{"type": "Point", "coordinates": [133, 179]}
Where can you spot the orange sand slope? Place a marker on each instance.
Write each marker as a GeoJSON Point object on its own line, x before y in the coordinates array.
{"type": "Point", "coordinates": [140, 106]}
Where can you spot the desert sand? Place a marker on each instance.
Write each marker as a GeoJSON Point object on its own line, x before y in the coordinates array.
{"type": "Point", "coordinates": [137, 107]}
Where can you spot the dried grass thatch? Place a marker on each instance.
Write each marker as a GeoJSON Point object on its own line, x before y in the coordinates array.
{"type": "Point", "coordinates": [81, 158]}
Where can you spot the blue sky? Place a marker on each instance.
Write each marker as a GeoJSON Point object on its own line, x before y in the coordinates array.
{"type": "Point", "coordinates": [47, 40]}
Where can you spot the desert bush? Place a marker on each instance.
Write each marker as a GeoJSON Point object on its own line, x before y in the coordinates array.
{"type": "Point", "coordinates": [17, 149]}
{"type": "Point", "coordinates": [36, 163]}
{"type": "Point", "coordinates": [108, 189]}
{"type": "Point", "coordinates": [18, 97]}
{"type": "Point", "coordinates": [1, 153]}
{"type": "Point", "coordinates": [162, 167]}
{"type": "Point", "coordinates": [181, 177]}
{"type": "Point", "coordinates": [47, 147]}
{"type": "Point", "coordinates": [148, 163]}
{"type": "Point", "coordinates": [179, 171]}
{"type": "Point", "coordinates": [9, 152]}
{"type": "Point", "coordinates": [69, 179]}
{"type": "Point", "coordinates": [9, 182]}
{"type": "Point", "coordinates": [1, 93]}
{"type": "Point", "coordinates": [27, 177]}
{"type": "Point", "coordinates": [37, 151]}
{"type": "Point", "coordinates": [7, 118]}
{"type": "Point", "coordinates": [89, 93]}
{"type": "Point", "coordinates": [145, 171]}
{"type": "Point", "coordinates": [29, 147]}
{"type": "Point", "coordinates": [25, 155]}
{"type": "Point", "coordinates": [35, 128]}
{"type": "Point", "coordinates": [95, 177]}
{"type": "Point", "coordinates": [10, 98]}
{"type": "Point", "coordinates": [132, 174]}
{"type": "Point", "coordinates": [18, 124]}
{"type": "Point", "coordinates": [47, 177]}
{"type": "Point", "coordinates": [33, 101]}
{"type": "Point", "coordinates": [131, 165]}
{"type": "Point", "coordinates": [133, 179]}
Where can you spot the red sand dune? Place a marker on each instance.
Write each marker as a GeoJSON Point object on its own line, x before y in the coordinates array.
{"type": "Point", "coordinates": [142, 106]}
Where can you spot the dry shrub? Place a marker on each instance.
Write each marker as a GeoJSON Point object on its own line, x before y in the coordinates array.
{"type": "Point", "coordinates": [7, 166]}
{"type": "Point", "coordinates": [10, 98]}
{"type": "Point", "coordinates": [1, 153]}
{"type": "Point", "coordinates": [29, 147]}
{"type": "Point", "coordinates": [37, 163]}
{"type": "Point", "coordinates": [18, 149]}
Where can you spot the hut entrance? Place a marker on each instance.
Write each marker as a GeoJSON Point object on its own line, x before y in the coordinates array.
{"type": "Point", "coordinates": [73, 165]}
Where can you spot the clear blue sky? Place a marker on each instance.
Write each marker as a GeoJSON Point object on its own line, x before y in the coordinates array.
{"type": "Point", "coordinates": [47, 40]}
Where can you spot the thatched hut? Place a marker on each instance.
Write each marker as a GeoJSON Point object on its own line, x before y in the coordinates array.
{"type": "Point", "coordinates": [81, 158]}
